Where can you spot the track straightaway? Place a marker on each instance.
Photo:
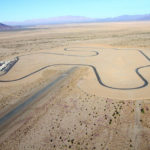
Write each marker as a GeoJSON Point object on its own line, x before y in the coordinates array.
{"type": "Point", "coordinates": [21, 107]}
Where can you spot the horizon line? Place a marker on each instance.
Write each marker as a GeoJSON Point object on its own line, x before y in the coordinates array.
{"type": "Point", "coordinates": [75, 16]}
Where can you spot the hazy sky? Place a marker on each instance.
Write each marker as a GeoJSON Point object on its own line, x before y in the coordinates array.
{"type": "Point", "coordinates": [18, 10]}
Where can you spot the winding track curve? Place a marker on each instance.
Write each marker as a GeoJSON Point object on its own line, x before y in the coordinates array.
{"type": "Point", "coordinates": [87, 65]}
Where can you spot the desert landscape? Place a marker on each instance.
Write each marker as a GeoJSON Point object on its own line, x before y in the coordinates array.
{"type": "Point", "coordinates": [76, 86]}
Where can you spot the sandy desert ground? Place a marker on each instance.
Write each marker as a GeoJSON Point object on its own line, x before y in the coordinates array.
{"type": "Point", "coordinates": [104, 104]}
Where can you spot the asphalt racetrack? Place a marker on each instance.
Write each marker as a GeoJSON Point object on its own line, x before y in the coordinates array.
{"type": "Point", "coordinates": [115, 69]}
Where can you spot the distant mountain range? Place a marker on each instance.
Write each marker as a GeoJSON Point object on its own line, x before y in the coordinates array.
{"type": "Point", "coordinates": [126, 18]}
{"type": "Point", "coordinates": [79, 19]}
{"type": "Point", "coordinates": [5, 27]}
{"type": "Point", "coordinates": [54, 20]}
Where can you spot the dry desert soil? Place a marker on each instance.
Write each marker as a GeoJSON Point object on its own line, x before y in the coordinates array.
{"type": "Point", "coordinates": [103, 104]}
